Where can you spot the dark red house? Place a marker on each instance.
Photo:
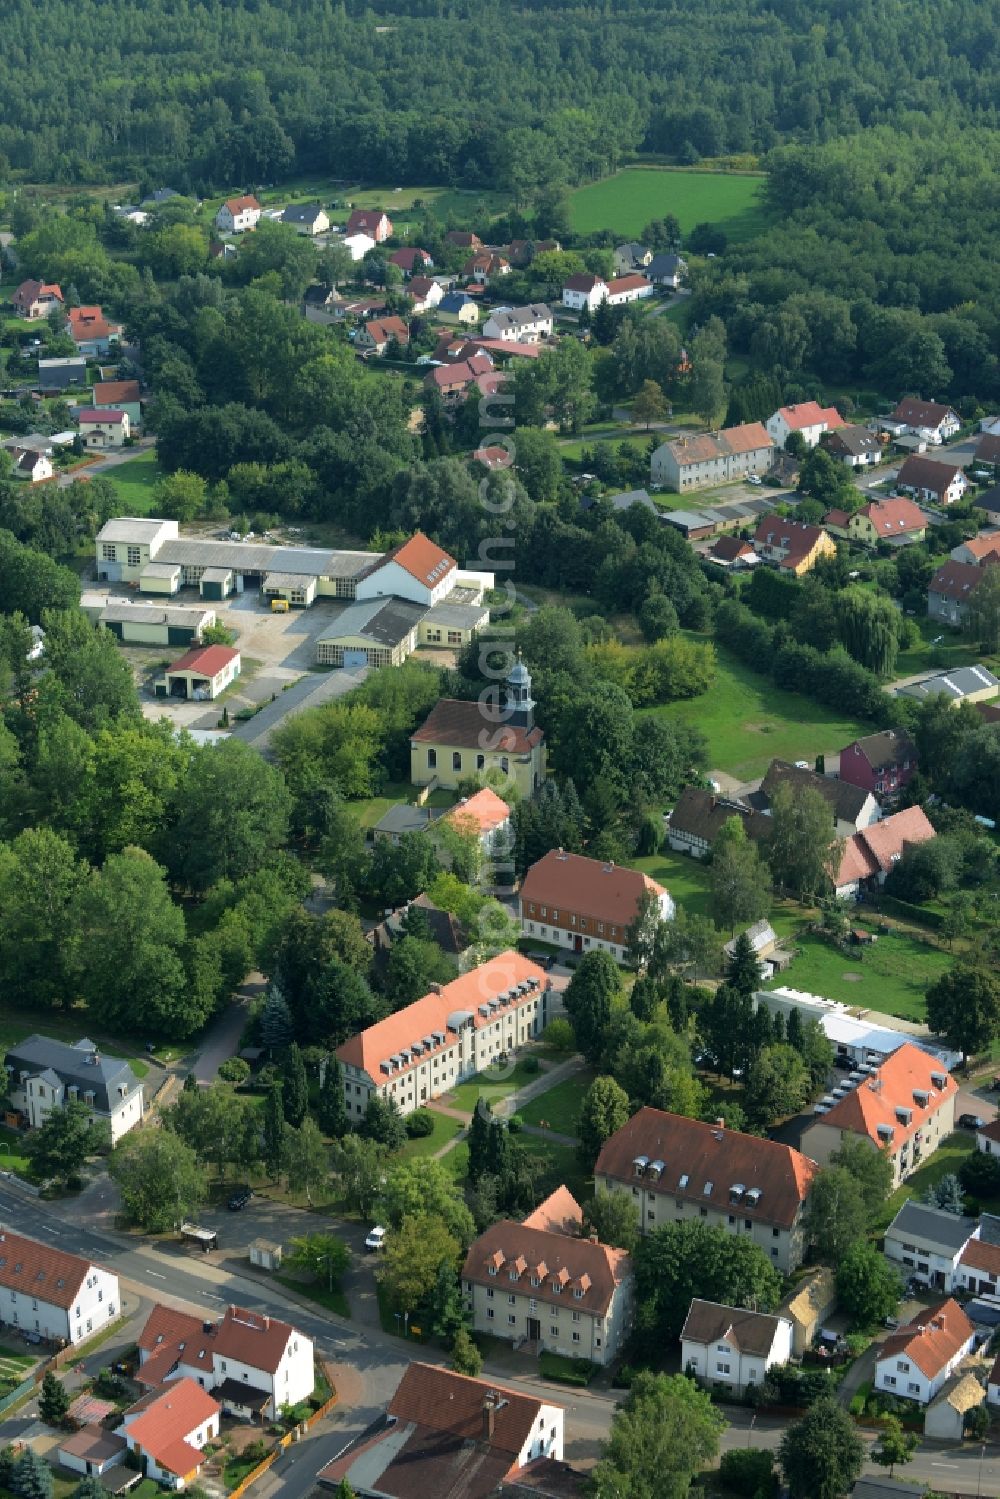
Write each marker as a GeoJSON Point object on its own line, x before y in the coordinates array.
{"type": "Point", "coordinates": [880, 763]}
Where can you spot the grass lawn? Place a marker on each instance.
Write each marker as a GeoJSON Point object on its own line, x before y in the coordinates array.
{"type": "Point", "coordinates": [954, 650]}
{"type": "Point", "coordinates": [134, 482]}
{"type": "Point", "coordinates": [456, 1161]}
{"type": "Point", "coordinates": [748, 721]}
{"type": "Point", "coordinates": [395, 794]}
{"type": "Point", "coordinates": [637, 438]}
{"type": "Point", "coordinates": [445, 1129]}
{"type": "Point", "coordinates": [944, 1162]}
{"type": "Point", "coordinates": [11, 1152]}
{"type": "Point", "coordinates": [628, 201]}
{"type": "Point", "coordinates": [335, 1301]}
{"type": "Point", "coordinates": [578, 1371]}
{"type": "Point", "coordinates": [687, 879]}
{"type": "Point", "coordinates": [892, 976]}
{"type": "Point", "coordinates": [489, 1085]}
{"type": "Point", "coordinates": [561, 1167]}
{"type": "Point", "coordinates": [560, 1106]}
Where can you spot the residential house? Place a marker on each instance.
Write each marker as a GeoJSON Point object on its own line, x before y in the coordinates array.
{"type": "Point", "coordinates": [713, 457]}
{"type": "Point", "coordinates": [584, 290]}
{"type": "Point", "coordinates": [61, 374]}
{"type": "Point", "coordinates": [426, 294]}
{"type": "Point", "coordinates": [625, 289]}
{"type": "Point", "coordinates": [254, 1364]}
{"type": "Point", "coordinates": [763, 941]}
{"type": "Point", "coordinates": [417, 570]}
{"type": "Point", "coordinates": [461, 738]}
{"type": "Point", "coordinates": [238, 215]}
{"type": "Point", "coordinates": [358, 245]}
{"type": "Point", "coordinates": [61, 1297]}
{"type": "Point", "coordinates": [35, 299]}
{"type": "Point", "coordinates": [566, 1295]}
{"type": "Point", "coordinates": [793, 545]}
{"type": "Point", "coordinates": [119, 395]}
{"type": "Point", "coordinates": [109, 428]}
{"type": "Point", "coordinates": [92, 332]}
{"type": "Point", "coordinates": [463, 239]}
{"type": "Point", "coordinates": [965, 684]}
{"type": "Point", "coordinates": [44, 1075]}
{"type": "Point", "coordinates": [979, 551]}
{"type": "Point", "coordinates": [837, 521]}
{"type": "Point", "coordinates": [372, 221]}
{"type": "Point", "coordinates": [730, 1348]}
{"type": "Point", "coordinates": [808, 418]}
{"type": "Point", "coordinates": [459, 307]}
{"type": "Point", "coordinates": [167, 1429]}
{"type": "Point", "coordinates": [666, 269]}
{"type": "Point", "coordinates": [979, 1265]}
{"type": "Point", "coordinates": [854, 445]}
{"type": "Point", "coordinates": [809, 1305]}
{"type": "Point", "coordinates": [92, 1450]}
{"type": "Point", "coordinates": [949, 591]}
{"type": "Point", "coordinates": [986, 453]}
{"type": "Point", "coordinates": [865, 858]}
{"type": "Point", "coordinates": [931, 481]}
{"type": "Point", "coordinates": [732, 553]}
{"type": "Point", "coordinates": [307, 218]}
{"type": "Point", "coordinates": [520, 324]}
{"type": "Point", "coordinates": [200, 675]}
{"type": "Point", "coordinates": [411, 260]}
{"type": "Point", "coordinates": [905, 1108]}
{"type": "Point", "coordinates": [430, 1046]}
{"type": "Point", "coordinates": [916, 1360]}
{"type": "Point", "coordinates": [632, 257]}
{"type": "Point", "coordinates": [484, 816]}
{"type": "Point", "coordinates": [35, 467]}
{"type": "Point", "coordinates": [946, 1416]}
{"type": "Point", "coordinates": [675, 1168]}
{"type": "Point", "coordinates": [852, 807]}
{"type": "Point", "coordinates": [380, 332]}
{"type": "Point", "coordinates": [988, 1138]}
{"type": "Point", "coordinates": [453, 381]}
{"type": "Point", "coordinates": [444, 929]}
{"type": "Point", "coordinates": [880, 763]}
{"type": "Point", "coordinates": [927, 419]}
{"type": "Point", "coordinates": [447, 1434]}
{"type": "Point", "coordinates": [892, 520]}
{"type": "Point", "coordinates": [928, 1244]}
{"type": "Point", "coordinates": [583, 903]}
{"type": "Point", "coordinates": [699, 817]}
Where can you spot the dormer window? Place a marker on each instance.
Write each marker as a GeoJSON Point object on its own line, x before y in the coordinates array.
{"type": "Point", "coordinates": [578, 1293]}
{"type": "Point", "coordinates": [491, 1269]}
{"type": "Point", "coordinates": [512, 1275]}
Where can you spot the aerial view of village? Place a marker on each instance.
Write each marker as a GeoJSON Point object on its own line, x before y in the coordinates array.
{"type": "Point", "coordinates": [499, 750]}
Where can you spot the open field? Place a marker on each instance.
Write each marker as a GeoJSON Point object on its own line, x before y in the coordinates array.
{"type": "Point", "coordinates": [134, 481]}
{"type": "Point", "coordinates": [560, 1106]}
{"type": "Point", "coordinates": [628, 201]}
{"type": "Point", "coordinates": [891, 976]}
{"type": "Point", "coordinates": [748, 721]}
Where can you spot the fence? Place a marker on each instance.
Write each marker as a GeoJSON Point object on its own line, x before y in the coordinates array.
{"type": "Point", "coordinates": [24, 1388]}
{"type": "Point", "coordinates": [282, 1444]}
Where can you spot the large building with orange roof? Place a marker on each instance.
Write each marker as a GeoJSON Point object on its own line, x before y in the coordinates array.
{"type": "Point", "coordinates": [906, 1107]}
{"type": "Point", "coordinates": [582, 903]}
{"type": "Point", "coordinates": [869, 854]}
{"type": "Point", "coordinates": [916, 1360]}
{"type": "Point", "coordinates": [477, 1021]}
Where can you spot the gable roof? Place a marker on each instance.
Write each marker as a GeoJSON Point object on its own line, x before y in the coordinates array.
{"type": "Point", "coordinates": [987, 449]}
{"type": "Point", "coordinates": [80, 1065]}
{"type": "Point", "coordinates": [238, 205]}
{"type": "Point", "coordinates": [795, 537]}
{"type": "Point", "coordinates": [29, 460]}
{"type": "Point", "coordinates": [847, 801]}
{"type": "Point", "coordinates": [921, 413]}
{"type": "Point", "coordinates": [894, 517]}
{"type": "Point", "coordinates": [853, 439]}
{"type": "Point", "coordinates": [881, 845]}
{"type": "Point", "coordinates": [702, 1162]}
{"type": "Point", "coordinates": [885, 1107]}
{"type": "Point", "coordinates": [458, 723]}
{"type": "Point", "coordinates": [302, 213]}
{"type": "Point", "coordinates": [366, 218]}
{"type": "Point", "coordinates": [583, 281]}
{"type": "Point", "coordinates": [422, 558]}
{"type": "Point", "coordinates": [587, 1273]}
{"type": "Point", "coordinates": [444, 1401]}
{"type": "Point", "coordinates": [632, 282]}
{"type": "Point", "coordinates": [955, 684]}
{"type": "Point", "coordinates": [560, 1213]}
{"type": "Point", "coordinates": [112, 392]}
{"type": "Point", "coordinates": [207, 659]}
{"type": "Point", "coordinates": [986, 545]}
{"type": "Point", "coordinates": [748, 437]}
{"type": "Point", "coordinates": [731, 548]}
{"type": "Point", "coordinates": [926, 473]}
{"type": "Point", "coordinates": [666, 263]}
{"type": "Point", "coordinates": [382, 329]}
{"type": "Point", "coordinates": [588, 887]}
{"type": "Point", "coordinates": [703, 814]}
{"type": "Point", "coordinates": [481, 812]}
{"type": "Point", "coordinates": [932, 1225]}
{"type": "Point", "coordinates": [49, 1274]}
{"type": "Point", "coordinates": [809, 414]}
{"type": "Point", "coordinates": [172, 1336]}
{"type": "Point", "coordinates": [408, 256]}
{"type": "Point", "coordinates": [91, 418]}
{"type": "Point", "coordinates": [750, 1332]}
{"type": "Point", "coordinates": [980, 1255]}
{"type": "Point", "coordinates": [884, 749]}
{"type": "Point", "coordinates": [933, 1340]}
{"type": "Point", "coordinates": [89, 322]}
{"type": "Point", "coordinates": [30, 291]}
{"type": "Point", "coordinates": [421, 287]}
{"type": "Point", "coordinates": [955, 580]}
{"type": "Point", "coordinates": [164, 1422]}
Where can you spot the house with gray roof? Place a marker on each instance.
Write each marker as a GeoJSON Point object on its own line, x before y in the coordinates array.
{"type": "Point", "coordinates": [666, 269]}
{"type": "Point", "coordinates": [970, 684]}
{"type": "Point", "coordinates": [928, 1243]}
{"type": "Point", "coordinates": [43, 1075]}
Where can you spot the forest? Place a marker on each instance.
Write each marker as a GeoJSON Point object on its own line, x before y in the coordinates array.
{"type": "Point", "coordinates": [257, 90]}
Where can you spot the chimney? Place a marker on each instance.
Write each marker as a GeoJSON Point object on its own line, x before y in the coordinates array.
{"type": "Point", "coordinates": [720, 1124]}
{"type": "Point", "coordinates": [489, 1415]}
{"type": "Point", "coordinates": [435, 988]}
{"type": "Point", "coordinates": [594, 1239]}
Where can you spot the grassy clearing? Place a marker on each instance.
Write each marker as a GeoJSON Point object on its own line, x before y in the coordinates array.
{"type": "Point", "coordinates": [687, 879]}
{"type": "Point", "coordinates": [490, 1086]}
{"type": "Point", "coordinates": [134, 482]}
{"type": "Point", "coordinates": [628, 201]}
{"type": "Point", "coordinates": [12, 1157]}
{"type": "Point", "coordinates": [892, 976]}
{"type": "Point", "coordinates": [560, 1167]}
{"type": "Point", "coordinates": [560, 1106]}
{"type": "Point", "coordinates": [748, 721]}
{"type": "Point", "coordinates": [445, 1129]}
{"type": "Point", "coordinates": [953, 651]}
{"type": "Point", "coordinates": [572, 452]}
{"type": "Point", "coordinates": [333, 1300]}
{"type": "Point", "coordinates": [944, 1162]}
{"type": "Point", "coordinates": [576, 1371]}
{"type": "Point", "coordinates": [395, 794]}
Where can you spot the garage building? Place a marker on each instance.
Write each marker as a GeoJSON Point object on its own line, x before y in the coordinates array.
{"type": "Point", "coordinates": [372, 632]}
{"type": "Point", "coordinates": [452, 624]}
{"type": "Point", "coordinates": [202, 674]}
{"type": "Point", "coordinates": [298, 588]}
{"type": "Point", "coordinates": [160, 577]}
{"type": "Point", "coordinates": [151, 624]}
{"type": "Point", "coordinates": [216, 583]}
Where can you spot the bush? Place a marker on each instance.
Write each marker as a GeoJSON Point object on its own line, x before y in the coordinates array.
{"type": "Point", "coordinates": [234, 1070]}
{"type": "Point", "coordinates": [530, 1064]}
{"type": "Point", "coordinates": [515, 1124]}
{"type": "Point", "coordinates": [419, 1124]}
{"type": "Point", "coordinates": [747, 1471]}
{"type": "Point", "coordinates": [559, 1035]}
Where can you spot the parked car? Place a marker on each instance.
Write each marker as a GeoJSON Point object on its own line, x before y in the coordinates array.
{"type": "Point", "coordinates": [971, 1121]}
{"type": "Point", "coordinates": [376, 1238]}
{"type": "Point", "coordinates": [239, 1199]}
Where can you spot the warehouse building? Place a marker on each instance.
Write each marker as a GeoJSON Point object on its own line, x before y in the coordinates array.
{"type": "Point", "coordinates": [149, 624]}
{"type": "Point", "coordinates": [372, 632]}
{"type": "Point", "coordinates": [200, 675]}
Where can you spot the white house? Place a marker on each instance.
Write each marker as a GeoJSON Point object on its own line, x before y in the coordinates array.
{"type": "Point", "coordinates": [927, 419]}
{"type": "Point", "coordinates": [915, 1361]}
{"type": "Point", "coordinates": [930, 481]}
{"type": "Point", "coordinates": [631, 288]}
{"type": "Point", "coordinates": [927, 1243]}
{"type": "Point", "coordinates": [358, 245]}
{"type": "Point", "coordinates": [417, 570]}
{"type": "Point", "coordinates": [237, 215]}
{"type": "Point", "coordinates": [168, 1428]}
{"type": "Point", "coordinates": [57, 1295]}
{"type": "Point", "coordinates": [584, 290]}
{"type": "Point", "coordinates": [988, 1138]}
{"type": "Point", "coordinates": [92, 1450]}
{"type": "Point", "coordinates": [254, 1364]}
{"type": "Point", "coordinates": [808, 418]}
{"type": "Point", "coordinates": [713, 457]}
{"type": "Point", "coordinates": [485, 815]}
{"type": "Point", "coordinates": [306, 218]}
{"type": "Point", "coordinates": [732, 1347]}
{"type": "Point", "coordinates": [43, 1075]}
{"type": "Point", "coordinates": [35, 467]}
{"type": "Point", "coordinates": [104, 429]}
{"type": "Point", "coordinates": [520, 324]}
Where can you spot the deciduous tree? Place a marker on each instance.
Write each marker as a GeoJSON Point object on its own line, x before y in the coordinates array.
{"type": "Point", "coordinates": [160, 1178]}
{"type": "Point", "coordinates": [821, 1455]}
{"type": "Point", "coordinates": [664, 1433]}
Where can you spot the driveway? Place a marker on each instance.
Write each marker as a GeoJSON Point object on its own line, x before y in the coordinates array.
{"type": "Point", "coordinates": [222, 1039]}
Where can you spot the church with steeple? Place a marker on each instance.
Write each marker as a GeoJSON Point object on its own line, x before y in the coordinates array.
{"type": "Point", "coordinates": [461, 739]}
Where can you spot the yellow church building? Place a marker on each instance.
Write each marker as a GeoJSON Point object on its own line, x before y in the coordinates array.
{"type": "Point", "coordinates": [461, 739]}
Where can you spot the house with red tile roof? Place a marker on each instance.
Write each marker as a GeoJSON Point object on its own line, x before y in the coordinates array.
{"type": "Point", "coordinates": [483, 816]}
{"type": "Point", "coordinates": [377, 334]}
{"type": "Point", "coordinates": [484, 265]}
{"type": "Point", "coordinates": [979, 551]}
{"type": "Point", "coordinates": [906, 1107]}
{"type": "Point", "coordinates": [674, 1168]}
{"type": "Point", "coordinates": [452, 1033]}
{"type": "Point", "coordinates": [253, 1363]}
{"type": "Point", "coordinates": [916, 1360]}
{"type": "Point", "coordinates": [411, 259]}
{"type": "Point", "coordinates": [869, 854]}
{"type": "Point", "coordinates": [792, 545]}
{"type": "Point", "coordinates": [60, 1296]}
{"type": "Point", "coordinates": [460, 738]}
{"type": "Point", "coordinates": [896, 521]}
{"type": "Point", "coordinates": [35, 299]}
{"type": "Point", "coordinates": [808, 418]}
{"type": "Point", "coordinates": [738, 452]}
{"type": "Point", "coordinates": [584, 290]}
{"type": "Point", "coordinates": [91, 331]}
{"type": "Point", "coordinates": [525, 1283]}
{"type": "Point", "coordinates": [631, 288]}
{"type": "Point", "coordinates": [168, 1428]}
{"type": "Point", "coordinates": [119, 395]}
{"type": "Point", "coordinates": [373, 221]}
{"type": "Point", "coordinates": [586, 904]}
{"type": "Point", "coordinates": [979, 1262]}
{"type": "Point", "coordinates": [237, 215]}
{"type": "Point", "coordinates": [732, 552]}
{"type": "Point", "coordinates": [417, 569]}
{"type": "Point", "coordinates": [200, 674]}
{"type": "Point", "coordinates": [449, 1435]}
{"type": "Point", "coordinates": [453, 381]}
{"type": "Point", "coordinates": [107, 428]}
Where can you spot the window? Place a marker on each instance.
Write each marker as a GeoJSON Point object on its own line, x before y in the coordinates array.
{"type": "Point", "coordinates": [107, 552]}
{"type": "Point", "coordinates": [890, 1379]}
{"type": "Point", "coordinates": [456, 760]}
{"type": "Point", "coordinates": [489, 1293]}
{"type": "Point", "coordinates": [776, 1233]}
{"type": "Point", "coordinates": [650, 1213]}
{"type": "Point", "coordinates": [902, 1366]}
{"type": "Point", "coordinates": [511, 1319]}
{"type": "Point", "coordinates": [492, 1270]}
{"type": "Point", "coordinates": [480, 762]}
{"type": "Point", "coordinates": [512, 1300]}
{"type": "Point", "coordinates": [914, 1389]}
{"type": "Point", "coordinates": [504, 764]}
{"type": "Point", "coordinates": [576, 1337]}
{"type": "Point", "coordinates": [554, 1329]}
{"type": "Point", "coordinates": [432, 759]}
{"type": "Point", "coordinates": [576, 1316]}
{"type": "Point", "coordinates": [489, 1313]}
{"type": "Point", "coordinates": [722, 1368]}
{"type": "Point", "coordinates": [134, 556]}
